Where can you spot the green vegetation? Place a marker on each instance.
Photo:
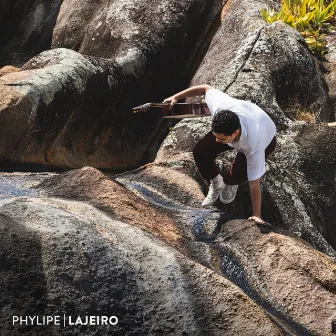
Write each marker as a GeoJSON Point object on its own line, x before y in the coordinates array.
{"type": "Point", "coordinates": [312, 18]}
{"type": "Point", "coordinates": [172, 134]}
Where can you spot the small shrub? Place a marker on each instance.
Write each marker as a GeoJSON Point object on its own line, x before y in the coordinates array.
{"type": "Point", "coordinates": [312, 18]}
{"type": "Point", "coordinates": [172, 134]}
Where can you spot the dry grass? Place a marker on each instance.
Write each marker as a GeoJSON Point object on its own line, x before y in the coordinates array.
{"type": "Point", "coordinates": [300, 113]}
{"type": "Point", "coordinates": [308, 117]}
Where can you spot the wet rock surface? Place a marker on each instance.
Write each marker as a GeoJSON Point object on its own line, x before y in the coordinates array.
{"type": "Point", "coordinates": [84, 260]}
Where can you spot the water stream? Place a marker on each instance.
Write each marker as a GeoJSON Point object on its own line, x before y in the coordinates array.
{"type": "Point", "coordinates": [21, 184]}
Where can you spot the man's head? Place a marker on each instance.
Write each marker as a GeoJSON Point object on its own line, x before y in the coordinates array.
{"type": "Point", "coordinates": [225, 126]}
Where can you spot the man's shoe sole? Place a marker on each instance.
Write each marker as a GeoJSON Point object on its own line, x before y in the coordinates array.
{"type": "Point", "coordinates": [210, 203]}
{"type": "Point", "coordinates": [226, 201]}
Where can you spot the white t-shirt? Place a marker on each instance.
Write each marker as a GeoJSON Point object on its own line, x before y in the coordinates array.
{"type": "Point", "coordinates": [257, 129]}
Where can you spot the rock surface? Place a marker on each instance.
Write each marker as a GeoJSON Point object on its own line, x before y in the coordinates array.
{"type": "Point", "coordinates": [82, 260]}
{"type": "Point", "coordinates": [274, 267]}
{"type": "Point", "coordinates": [278, 268]}
{"type": "Point", "coordinates": [159, 38]}
{"type": "Point", "coordinates": [26, 29]}
{"type": "Point", "coordinates": [8, 69]}
{"type": "Point", "coordinates": [330, 69]}
{"type": "Point", "coordinates": [156, 43]}
{"type": "Point", "coordinates": [139, 246]}
{"type": "Point", "coordinates": [86, 106]}
{"type": "Point", "coordinates": [71, 111]}
{"type": "Point", "coordinates": [298, 189]}
{"type": "Point", "coordinates": [267, 64]}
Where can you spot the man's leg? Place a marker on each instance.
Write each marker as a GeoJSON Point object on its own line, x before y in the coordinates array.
{"type": "Point", "coordinates": [205, 154]}
{"type": "Point", "coordinates": [238, 173]}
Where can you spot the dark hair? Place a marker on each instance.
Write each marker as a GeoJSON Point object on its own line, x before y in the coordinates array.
{"type": "Point", "coordinates": [225, 122]}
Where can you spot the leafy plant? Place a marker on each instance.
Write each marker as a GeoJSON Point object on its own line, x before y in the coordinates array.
{"type": "Point", "coordinates": [312, 18]}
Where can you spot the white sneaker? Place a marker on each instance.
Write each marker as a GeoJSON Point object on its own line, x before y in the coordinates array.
{"type": "Point", "coordinates": [216, 186]}
{"type": "Point", "coordinates": [228, 193]}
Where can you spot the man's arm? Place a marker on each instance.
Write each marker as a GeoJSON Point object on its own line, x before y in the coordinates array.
{"type": "Point", "coordinates": [198, 90]}
{"type": "Point", "coordinates": [255, 193]}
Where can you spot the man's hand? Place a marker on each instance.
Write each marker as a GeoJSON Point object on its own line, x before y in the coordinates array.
{"type": "Point", "coordinates": [257, 220]}
{"type": "Point", "coordinates": [256, 201]}
{"type": "Point", "coordinates": [172, 100]}
{"type": "Point", "coordinates": [198, 90]}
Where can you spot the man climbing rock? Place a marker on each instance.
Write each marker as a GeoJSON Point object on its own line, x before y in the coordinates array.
{"type": "Point", "coordinates": [236, 124]}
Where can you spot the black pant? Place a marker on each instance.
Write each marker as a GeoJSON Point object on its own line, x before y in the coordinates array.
{"type": "Point", "coordinates": [205, 154]}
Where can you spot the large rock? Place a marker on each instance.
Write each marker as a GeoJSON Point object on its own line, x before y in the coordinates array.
{"type": "Point", "coordinates": [298, 189]}
{"type": "Point", "coordinates": [268, 64]}
{"type": "Point", "coordinates": [43, 101]}
{"type": "Point", "coordinates": [155, 40]}
{"type": "Point", "coordinates": [274, 267]}
{"type": "Point", "coordinates": [80, 114]}
{"type": "Point", "coordinates": [26, 28]}
{"type": "Point", "coordinates": [65, 256]}
{"type": "Point", "coordinates": [70, 111]}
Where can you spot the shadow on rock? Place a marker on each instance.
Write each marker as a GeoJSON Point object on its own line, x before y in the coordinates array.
{"type": "Point", "coordinates": [101, 263]}
{"type": "Point", "coordinates": [22, 279]}
{"type": "Point", "coordinates": [274, 267]}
